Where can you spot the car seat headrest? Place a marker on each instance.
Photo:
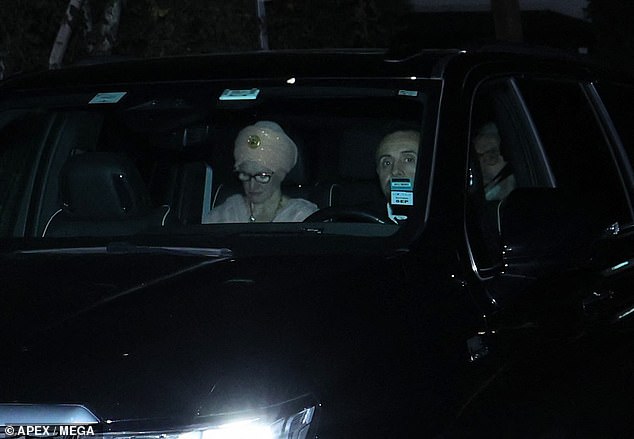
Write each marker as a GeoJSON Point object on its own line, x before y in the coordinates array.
{"type": "Point", "coordinates": [356, 154]}
{"type": "Point", "coordinates": [102, 186]}
{"type": "Point", "coordinates": [299, 173]}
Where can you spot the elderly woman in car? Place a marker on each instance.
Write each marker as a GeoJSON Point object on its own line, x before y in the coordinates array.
{"type": "Point", "coordinates": [264, 154]}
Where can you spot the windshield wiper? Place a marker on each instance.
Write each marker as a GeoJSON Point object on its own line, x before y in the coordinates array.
{"type": "Point", "coordinates": [128, 248]}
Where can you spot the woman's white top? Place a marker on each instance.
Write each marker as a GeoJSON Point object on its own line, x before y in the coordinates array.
{"type": "Point", "coordinates": [236, 210]}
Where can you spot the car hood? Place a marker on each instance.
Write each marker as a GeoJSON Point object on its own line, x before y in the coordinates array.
{"type": "Point", "coordinates": [136, 337]}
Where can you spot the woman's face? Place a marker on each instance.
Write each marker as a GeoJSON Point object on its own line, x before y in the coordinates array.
{"type": "Point", "coordinates": [252, 175]}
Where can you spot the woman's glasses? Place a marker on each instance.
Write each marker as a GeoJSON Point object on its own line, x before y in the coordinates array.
{"type": "Point", "coordinates": [260, 177]}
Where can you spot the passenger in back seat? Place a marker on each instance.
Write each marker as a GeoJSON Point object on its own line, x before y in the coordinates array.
{"type": "Point", "coordinates": [497, 173]}
{"type": "Point", "coordinates": [264, 154]}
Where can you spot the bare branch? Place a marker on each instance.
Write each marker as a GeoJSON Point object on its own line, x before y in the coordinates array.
{"type": "Point", "coordinates": [64, 34]}
{"type": "Point", "coordinates": [88, 29]}
{"type": "Point", "coordinates": [264, 36]}
{"type": "Point", "coordinates": [107, 31]}
{"type": "Point", "coordinates": [2, 65]}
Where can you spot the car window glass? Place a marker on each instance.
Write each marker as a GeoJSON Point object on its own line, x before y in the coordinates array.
{"type": "Point", "coordinates": [21, 136]}
{"type": "Point", "coordinates": [503, 155]}
{"type": "Point", "coordinates": [577, 150]}
{"type": "Point", "coordinates": [619, 101]}
{"type": "Point", "coordinates": [161, 160]}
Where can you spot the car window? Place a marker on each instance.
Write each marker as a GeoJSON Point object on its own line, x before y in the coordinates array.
{"type": "Point", "coordinates": [22, 134]}
{"type": "Point", "coordinates": [504, 154]}
{"type": "Point", "coordinates": [618, 101]}
{"type": "Point", "coordinates": [180, 158]}
{"type": "Point", "coordinates": [577, 150]}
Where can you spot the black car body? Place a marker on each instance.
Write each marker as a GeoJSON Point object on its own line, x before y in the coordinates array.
{"type": "Point", "coordinates": [474, 317]}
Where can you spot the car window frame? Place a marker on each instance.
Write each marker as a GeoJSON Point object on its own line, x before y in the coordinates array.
{"type": "Point", "coordinates": [546, 178]}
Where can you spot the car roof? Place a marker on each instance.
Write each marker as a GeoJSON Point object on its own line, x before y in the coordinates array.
{"type": "Point", "coordinates": [321, 63]}
{"type": "Point", "coordinates": [243, 65]}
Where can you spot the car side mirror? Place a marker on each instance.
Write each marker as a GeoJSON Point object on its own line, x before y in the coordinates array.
{"type": "Point", "coordinates": [543, 231]}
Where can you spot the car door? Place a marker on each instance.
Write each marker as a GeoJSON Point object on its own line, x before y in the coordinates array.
{"type": "Point", "coordinates": [550, 269]}
{"type": "Point", "coordinates": [612, 301]}
{"type": "Point", "coordinates": [548, 133]}
{"type": "Point", "coordinates": [588, 162]}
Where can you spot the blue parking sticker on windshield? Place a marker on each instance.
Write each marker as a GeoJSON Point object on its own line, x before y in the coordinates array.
{"type": "Point", "coordinates": [412, 93]}
{"type": "Point", "coordinates": [108, 98]}
{"type": "Point", "coordinates": [239, 95]}
{"type": "Point", "coordinates": [401, 189]}
{"type": "Point", "coordinates": [401, 184]}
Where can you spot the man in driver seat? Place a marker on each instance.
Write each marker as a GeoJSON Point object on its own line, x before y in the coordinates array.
{"type": "Point", "coordinates": [396, 157]}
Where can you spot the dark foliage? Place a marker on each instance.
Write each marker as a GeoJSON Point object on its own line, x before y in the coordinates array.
{"type": "Point", "coordinates": [612, 21]}
{"type": "Point", "coordinates": [335, 23]}
{"type": "Point", "coordinates": [151, 28]}
{"type": "Point", "coordinates": [27, 32]}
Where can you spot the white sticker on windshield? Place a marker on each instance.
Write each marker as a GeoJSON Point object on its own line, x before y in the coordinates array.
{"type": "Point", "coordinates": [401, 190]}
{"type": "Point", "coordinates": [239, 95]}
{"type": "Point", "coordinates": [107, 98]}
{"type": "Point", "coordinates": [402, 198]}
{"type": "Point", "coordinates": [412, 93]}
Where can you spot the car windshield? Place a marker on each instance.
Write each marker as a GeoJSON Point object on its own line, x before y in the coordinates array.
{"type": "Point", "coordinates": [341, 156]}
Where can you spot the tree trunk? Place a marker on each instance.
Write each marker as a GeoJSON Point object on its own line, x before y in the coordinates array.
{"type": "Point", "coordinates": [88, 30]}
{"type": "Point", "coordinates": [2, 65]}
{"type": "Point", "coordinates": [264, 36]}
{"type": "Point", "coordinates": [64, 34]}
{"type": "Point", "coordinates": [508, 22]}
{"type": "Point", "coordinates": [107, 30]}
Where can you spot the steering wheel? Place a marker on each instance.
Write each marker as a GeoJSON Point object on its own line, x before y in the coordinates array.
{"type": "Point", "coordinates": [344, 214]}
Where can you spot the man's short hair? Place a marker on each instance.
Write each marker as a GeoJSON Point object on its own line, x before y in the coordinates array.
{"type": "Point", "coordinates": [404, 135]}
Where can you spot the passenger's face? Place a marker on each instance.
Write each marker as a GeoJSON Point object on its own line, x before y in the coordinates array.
{"type": "Point", "coordinates": [259, 192]}
{"type": "Point", "coordinates": [488, 150]}
{"type": "Point", "coordinates": [396, 158]}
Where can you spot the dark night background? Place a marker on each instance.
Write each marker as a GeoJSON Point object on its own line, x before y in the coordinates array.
{"type": "Point", "coordinates": [150, 28]}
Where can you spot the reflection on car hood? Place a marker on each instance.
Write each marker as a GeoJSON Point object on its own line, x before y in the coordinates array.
{"type": "Point", "coordinates": [230, 335]}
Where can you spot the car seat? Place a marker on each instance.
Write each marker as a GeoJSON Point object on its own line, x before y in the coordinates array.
{"type": "Point", "coordinates": [103, 194]}
{"type": "Point", "coordinates": [357, 183]}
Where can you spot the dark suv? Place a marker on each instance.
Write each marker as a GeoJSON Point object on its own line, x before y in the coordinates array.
{"type": "Point", "coordinates": [476, 282]}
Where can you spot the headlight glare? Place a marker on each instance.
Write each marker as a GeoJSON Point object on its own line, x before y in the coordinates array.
{"type": "Point", "coordinates": [237, 430]}
{"type": "Point", "coordinates": [293, 427]}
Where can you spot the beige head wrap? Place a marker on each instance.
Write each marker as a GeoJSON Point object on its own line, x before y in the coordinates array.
{"type": "Point", "coordinates": [265, 143]}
